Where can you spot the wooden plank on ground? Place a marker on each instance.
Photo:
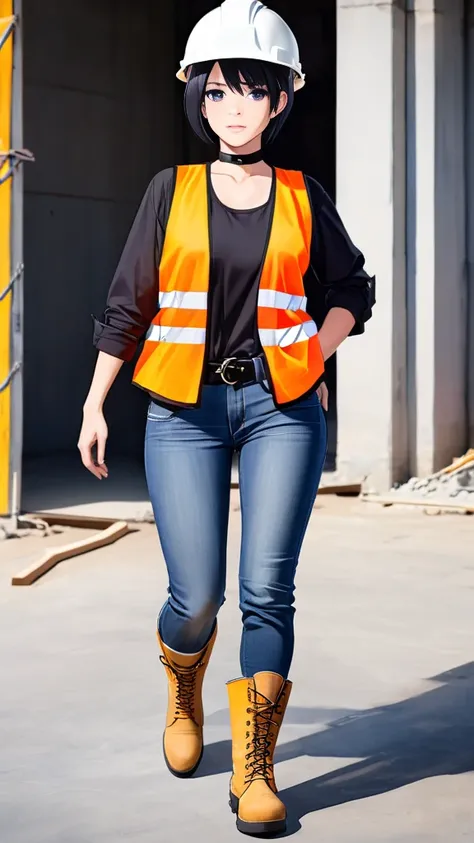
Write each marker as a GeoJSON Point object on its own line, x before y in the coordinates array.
{"type": "Point", "coordinates": [350, 489]}
{"type": "Point", "coordinates": [387, 501]}
{"type": "Point", "coordinates": [67, 551]}
{"type": "Point", "coordinates": [65, 519]}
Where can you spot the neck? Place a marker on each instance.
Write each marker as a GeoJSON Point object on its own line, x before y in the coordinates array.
{"type": "Point", "coordinates": [253, 146]}
{"type": "Point", "coordinates": [248, 154]}
{"type": "Point", "coordinates": [241, 171]}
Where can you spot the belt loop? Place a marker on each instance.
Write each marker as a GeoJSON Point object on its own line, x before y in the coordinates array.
{"type": "Point", "coordinates": [259, 369]}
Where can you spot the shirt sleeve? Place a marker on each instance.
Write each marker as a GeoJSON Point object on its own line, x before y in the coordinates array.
{"type": "Point", "coordinates": [132, 301]}
{"type": "Point", "coordinates": [337, 263]}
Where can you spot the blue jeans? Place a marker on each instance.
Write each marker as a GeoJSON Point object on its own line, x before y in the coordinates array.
{"type": "Point", "coordinates": [188, 461]}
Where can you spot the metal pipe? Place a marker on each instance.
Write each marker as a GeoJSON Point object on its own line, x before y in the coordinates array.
{"type": "Point", "coordinates": [16, 275]}
{"type": "Point", "coordinates": [15, 368]}
{"type": "Point", "coordinates": [8, 31]}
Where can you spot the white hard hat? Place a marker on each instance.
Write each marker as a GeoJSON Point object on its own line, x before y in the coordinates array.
{"type": "Point", "coordinates": [243, 29]}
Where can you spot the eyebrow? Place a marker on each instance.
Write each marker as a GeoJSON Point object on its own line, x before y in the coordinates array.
{"type": "Point", "coordinates": [225, 85]}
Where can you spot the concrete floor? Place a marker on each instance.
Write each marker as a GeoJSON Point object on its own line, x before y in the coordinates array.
{"type": "Point", "coordinates": [378, 743]}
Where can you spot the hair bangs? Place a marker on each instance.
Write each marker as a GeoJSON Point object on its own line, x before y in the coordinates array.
{"type": "Point", "coordinates": [253, 74]}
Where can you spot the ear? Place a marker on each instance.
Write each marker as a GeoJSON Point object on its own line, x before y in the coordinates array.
{"type": "Point", "coordinates": [203, 109]}
{"type": "Point", "coordinates": [282, 103]}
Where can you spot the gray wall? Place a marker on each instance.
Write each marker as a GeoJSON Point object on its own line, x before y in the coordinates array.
{"type": "Point", "coordinates": [101, 115]}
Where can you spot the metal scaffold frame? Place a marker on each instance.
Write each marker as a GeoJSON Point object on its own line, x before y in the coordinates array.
{"type": "Point", "coordinates": [12, 156]}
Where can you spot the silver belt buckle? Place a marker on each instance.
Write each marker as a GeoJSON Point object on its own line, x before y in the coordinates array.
{"type": "Point", "coordinates": [222, 370]}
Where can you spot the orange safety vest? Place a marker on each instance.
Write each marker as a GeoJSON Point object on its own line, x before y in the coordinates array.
{"type": "Point", "coordinates": [172, 362]}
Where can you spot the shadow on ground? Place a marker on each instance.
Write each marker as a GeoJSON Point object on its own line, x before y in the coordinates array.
{"type": "Point", "coordinates": [428, 735]}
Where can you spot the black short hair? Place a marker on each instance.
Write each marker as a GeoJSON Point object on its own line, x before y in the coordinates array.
{"type": "Point", "coordinates": [255, 73]}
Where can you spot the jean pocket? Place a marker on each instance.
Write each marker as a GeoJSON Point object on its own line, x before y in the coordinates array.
{"type": "Point", "coordinates": [157, 412]}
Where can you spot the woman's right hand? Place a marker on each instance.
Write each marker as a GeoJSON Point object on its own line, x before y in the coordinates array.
{"type": "Point", "coordinates": [94, 432]}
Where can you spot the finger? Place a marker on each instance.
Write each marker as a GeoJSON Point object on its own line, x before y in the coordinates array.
{"type": "Point", "coordinates": [325, 398]}
{"type": "Point", "coordinates": [322, 394]}
{"type": "Point", "coordinates": [93, 470]}
{"type": "Point", "coordinates": [87, 460]}
{"type": "Point", "coordinates": [101, 440]}
{"type": "Point", "coordinates": [103, 470]}
{"type": "Point", "coordinates": [100, 461]}
{"type": "Point", "coordinates": [91, 466]}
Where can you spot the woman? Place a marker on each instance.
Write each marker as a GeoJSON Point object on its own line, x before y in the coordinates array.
{"type": "Point", "coordinates": [223, 270]}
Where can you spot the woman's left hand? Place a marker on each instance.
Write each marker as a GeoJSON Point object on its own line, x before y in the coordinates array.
{"type": "Point", "coordinates": [323, 396]}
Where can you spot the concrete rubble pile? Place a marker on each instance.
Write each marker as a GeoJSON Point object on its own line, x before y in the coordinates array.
{"type": "Point", "coordinates": [452, 485]}
{"type": "Point", "coordinates": [19, 528]}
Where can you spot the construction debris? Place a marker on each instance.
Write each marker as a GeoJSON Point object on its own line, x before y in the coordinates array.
{"type": "Point", "coordinates": [451, 489]}
{"type": "Point", "coordinates": [30, 525]}
{"type": "Point", "coordinates": [58, 554]}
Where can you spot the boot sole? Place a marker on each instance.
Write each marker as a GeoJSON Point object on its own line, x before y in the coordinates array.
{"type": "Point", "coordinates": [182, 774]}
{"type": "Point", "coordinates": [264, 828]}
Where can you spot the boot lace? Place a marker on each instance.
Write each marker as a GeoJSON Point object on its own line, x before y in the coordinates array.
{"type": "Point", "coordinates": [260, 737]}
{"type": "Point", "coordinates": [185, 687]}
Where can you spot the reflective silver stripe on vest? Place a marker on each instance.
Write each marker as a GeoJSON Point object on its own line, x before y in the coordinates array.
{"type": "Point", "coordinates": [287, 336]}
{"type": "Point", "coordinates": [179, 298]}
{"type": "Point", "coordinates": [186, 336]}
{"type": "Point", "coordinates": [282, 301]}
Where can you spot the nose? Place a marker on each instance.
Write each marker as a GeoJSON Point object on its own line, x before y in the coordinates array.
{"type": "Point", "coordinates": [235, 106]}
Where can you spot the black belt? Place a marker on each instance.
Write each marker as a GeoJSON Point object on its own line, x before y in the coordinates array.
{"type": "Point", "coordinates": [234, 371]}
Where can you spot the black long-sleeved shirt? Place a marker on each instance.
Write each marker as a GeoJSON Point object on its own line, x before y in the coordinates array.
{"type": "Point", "coordinates": [335, 278]}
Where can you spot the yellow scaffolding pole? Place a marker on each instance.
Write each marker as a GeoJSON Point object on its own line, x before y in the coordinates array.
{"type": "Point", "coordinates": [12, 157]}
{"type": "Point", "coordinates": [6, 62]}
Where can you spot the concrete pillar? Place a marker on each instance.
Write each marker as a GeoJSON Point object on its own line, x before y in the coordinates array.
{"type": "Point", "coordinates": [437, 282]}
{"type": "Point", "coordinates": [371, 177]}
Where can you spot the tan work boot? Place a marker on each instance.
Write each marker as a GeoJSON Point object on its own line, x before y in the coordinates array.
{"type": "Point", "coordinates": [257, 708]}
{"type": "Point", "coordinates": [182, 738]}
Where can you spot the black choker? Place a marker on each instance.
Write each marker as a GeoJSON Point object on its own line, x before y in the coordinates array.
{"type": "Point", "coordinates": [230, 158]}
